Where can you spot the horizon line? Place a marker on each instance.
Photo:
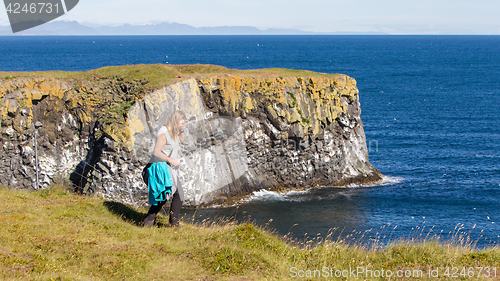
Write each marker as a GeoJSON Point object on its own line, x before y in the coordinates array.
{"type": "Point", "coordinates": [291, 31]}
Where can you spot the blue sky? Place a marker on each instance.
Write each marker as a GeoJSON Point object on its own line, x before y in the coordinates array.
{"type": "Point", "coordinates": [390, 16]}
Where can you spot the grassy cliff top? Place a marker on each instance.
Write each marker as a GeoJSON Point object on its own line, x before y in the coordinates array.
{"type": "Point", "coordinates": [53, 234]}
{"type": "Point", "coordinates": [160, 75]}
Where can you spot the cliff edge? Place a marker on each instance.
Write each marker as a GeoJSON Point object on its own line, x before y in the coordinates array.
{"type": "Point", "coordinates": [273, 128]}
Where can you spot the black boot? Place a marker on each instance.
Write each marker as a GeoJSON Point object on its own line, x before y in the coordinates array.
{"type": "Point", "coordinates": [149, 221]}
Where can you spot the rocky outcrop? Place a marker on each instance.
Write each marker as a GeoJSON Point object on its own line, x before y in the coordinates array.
{"type": "Point", "coordinates": [244, 133]}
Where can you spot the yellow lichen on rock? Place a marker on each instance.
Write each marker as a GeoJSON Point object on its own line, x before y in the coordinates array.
{"type": "Point", "coordinates": [301, 104]}
{"type": "Point", "coordinates": [19, 96]}
{"type": "Point", "coordinates": [305, 101]}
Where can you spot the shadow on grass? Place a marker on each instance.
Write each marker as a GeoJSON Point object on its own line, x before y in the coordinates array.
{"type": "Point", "coordinates": [128, 214]}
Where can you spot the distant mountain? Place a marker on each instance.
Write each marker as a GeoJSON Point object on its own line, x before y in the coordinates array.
{"type": "Point", "coordinates": [151, 29]}
{"type": "Point", "coordinates": [184, 29]}
{"type": "Point", "coordinates": [53, 28]}
{"type": "Point", "coordinates": [164, 28]}
{"type": "Point", "coordinates": [75, 28]}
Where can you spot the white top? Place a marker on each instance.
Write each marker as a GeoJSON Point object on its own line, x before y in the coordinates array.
{"type": "Point", "coordinates": [171, 148]}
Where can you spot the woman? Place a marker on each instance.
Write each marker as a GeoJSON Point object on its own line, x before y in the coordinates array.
{"type": "Point", "coordinates": [166, 150]}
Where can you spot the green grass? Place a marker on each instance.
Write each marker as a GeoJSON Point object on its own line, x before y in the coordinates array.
{"type": "Point", "coordinates": [160, 75]}
{"type": "Point", "coordinates": [292, 96]}
{"type": "Point", "coordinates": [56, 235]}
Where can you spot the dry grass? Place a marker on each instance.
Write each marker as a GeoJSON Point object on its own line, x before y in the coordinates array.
{"type": "Point", "coordinates": [56, 235]}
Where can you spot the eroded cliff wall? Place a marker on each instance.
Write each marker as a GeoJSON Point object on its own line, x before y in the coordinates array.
{"type": "Point", "coordinates": [296, 131]}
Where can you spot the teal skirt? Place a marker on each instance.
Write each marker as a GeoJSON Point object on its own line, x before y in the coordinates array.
{"type": "Point", "coordinates": [159, 183]}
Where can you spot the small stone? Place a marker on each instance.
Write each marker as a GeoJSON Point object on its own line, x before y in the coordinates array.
{"type": "Point", "coordinates": [25, 112]}
{"type": "Point", "coordinates": [103, 168]}
{"type": "Point", "coordinates": [47, 145]}
{"type": "Point", "coordinates": [319, 145]}
{"type": "Point", "coordinates": [110, 145]}
{"type": "Point", "coordinates": [26, 161]}
{"type": "Point", "coordinates": [9, 131]}
{"type": "Point", "coordinates": [134, 160]}
{"type": "Point", "coordinates": [13, 182]}
{"type": "Point", "coordinates": [26, 150]}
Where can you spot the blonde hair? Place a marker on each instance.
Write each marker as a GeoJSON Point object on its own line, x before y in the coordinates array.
{"type": "Point", "coordinates": [173, 122]}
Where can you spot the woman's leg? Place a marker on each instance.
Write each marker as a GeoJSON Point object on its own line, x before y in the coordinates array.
{"type": "Point", "coordinates": [175, 209]}
{"type": "Point", "coordinates": [153, 210]}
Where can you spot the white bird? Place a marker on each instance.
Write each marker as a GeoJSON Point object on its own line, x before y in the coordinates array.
{"type": "Point", "coordinates": [488, 217]}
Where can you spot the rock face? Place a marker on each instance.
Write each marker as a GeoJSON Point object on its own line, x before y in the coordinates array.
{"type": "Point", "coordinates": [243, 134]}
{"type": "Point", "coordinates": [300, 132]}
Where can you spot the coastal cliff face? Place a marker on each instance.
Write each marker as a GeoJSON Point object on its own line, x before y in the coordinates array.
{"type": "Point", "coordinates": [245, 133]}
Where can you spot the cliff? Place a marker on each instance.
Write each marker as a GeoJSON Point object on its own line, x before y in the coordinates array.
{"type": "Point", "coordinates": [247, 130]}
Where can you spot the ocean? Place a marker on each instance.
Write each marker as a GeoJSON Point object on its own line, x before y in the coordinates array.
{"type": "Point", "coordinates": [430, 107]}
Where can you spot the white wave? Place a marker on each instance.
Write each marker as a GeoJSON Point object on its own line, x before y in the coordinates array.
{"type": "Point", "coordinates": [266, 195]}
{"type": "Point", "coordinates": [300, 196]}
{"type": "Point", "coordinates": [343, 194]}
{"type": "Point", "coordinates": [388, 180]}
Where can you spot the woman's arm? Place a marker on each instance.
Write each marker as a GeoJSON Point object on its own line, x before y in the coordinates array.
{"type": "Point", "coordinates": [160, 143]}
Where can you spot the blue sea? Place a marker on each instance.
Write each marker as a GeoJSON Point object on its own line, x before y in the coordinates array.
{"type": "Point", "coordinates": [430, 106]}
